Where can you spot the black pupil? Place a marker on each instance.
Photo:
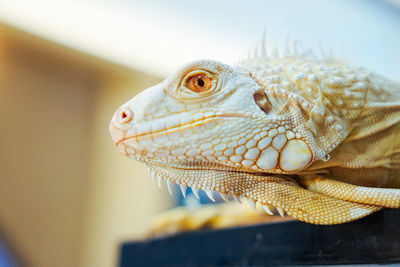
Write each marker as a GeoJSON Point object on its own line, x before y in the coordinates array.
{"type": "Point", "coordinates": [200, 82]}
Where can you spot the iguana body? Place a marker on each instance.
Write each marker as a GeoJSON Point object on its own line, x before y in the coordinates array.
{"type": "Point", "coordinates": [316, 139]}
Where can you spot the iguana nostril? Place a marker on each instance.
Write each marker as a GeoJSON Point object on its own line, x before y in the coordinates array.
{"type": "Point", "coordinates": [124, 115]}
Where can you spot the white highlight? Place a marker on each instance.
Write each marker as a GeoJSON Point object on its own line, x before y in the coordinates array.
{"type": "Point", "coordinates": [196, 192]}
{"type": "Point", "coordinates": [224, 197]}
{"type": "Point", "coordinates": [169, 186]}
{"type": "Point", "coordinates": [183, 189]}
{"type": "Point", "coordinates": [159, 181]}
{"type": "Point", "coordinates": [268, 159]}
{"type": "Point", "coordinates": [281, 212]}
{"type": "Point", "coordinates": [295, 155]}
{"type": "Point", "coordinates": [210, 195]}
{"type": "Point", "coordinates": [252, 204]}
{"type": "Point", "coordinates": [279, 141]}
{"type": "Point", "coordinates": [267, 209]}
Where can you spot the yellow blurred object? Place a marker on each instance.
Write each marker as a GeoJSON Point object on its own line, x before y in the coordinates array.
{"type": "Point", "coordinates": [214, 216]}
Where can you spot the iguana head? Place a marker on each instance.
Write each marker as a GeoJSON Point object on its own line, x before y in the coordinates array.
{"type": "Point", "coordinates": [210, 114]}
{"type": "Point", "coordinates": [241, 131]}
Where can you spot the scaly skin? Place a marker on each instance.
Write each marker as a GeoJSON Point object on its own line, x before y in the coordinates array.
{"type": "Point", "coordinates": [317, 139]}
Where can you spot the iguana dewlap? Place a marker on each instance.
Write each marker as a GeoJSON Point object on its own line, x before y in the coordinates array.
{"type": "Point", "coordinates": [317, 139]}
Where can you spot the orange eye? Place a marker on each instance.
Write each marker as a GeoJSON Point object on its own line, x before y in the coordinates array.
{"type": "Point", "coordinates": [199, 83]}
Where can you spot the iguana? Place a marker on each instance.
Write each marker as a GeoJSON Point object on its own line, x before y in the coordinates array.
{"type": "Point", "coordinates": [315, 138]}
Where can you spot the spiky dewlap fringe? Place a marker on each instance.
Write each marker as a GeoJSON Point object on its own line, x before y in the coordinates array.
{"type": "Point", "coordinates": [159, 178]}
{"type": "Point", "coordinates": [273, 193]}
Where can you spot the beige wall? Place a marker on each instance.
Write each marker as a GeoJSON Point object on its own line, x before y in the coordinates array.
{"type": "Point", "coordinates": [67, 197]}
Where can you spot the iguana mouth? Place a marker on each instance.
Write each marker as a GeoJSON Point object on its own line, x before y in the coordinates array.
{"type": "Point", "coordinates": [179, 127]}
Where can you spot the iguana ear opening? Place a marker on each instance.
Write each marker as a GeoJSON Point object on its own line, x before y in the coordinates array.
{"type": "Point", "coordinates": [279, 191]}
{"type": "Point", "coordinates": [262, 101]}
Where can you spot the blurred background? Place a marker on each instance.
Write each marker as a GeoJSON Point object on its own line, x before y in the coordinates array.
{"type": "Point", "coordinates": [67, 197]}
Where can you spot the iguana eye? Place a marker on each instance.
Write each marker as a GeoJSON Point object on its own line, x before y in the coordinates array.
{"type": "Point", "coordinates": [199, 83]}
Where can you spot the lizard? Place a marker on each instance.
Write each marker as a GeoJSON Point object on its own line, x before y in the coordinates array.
{"type": "Point", "coordinates": [314, 138]}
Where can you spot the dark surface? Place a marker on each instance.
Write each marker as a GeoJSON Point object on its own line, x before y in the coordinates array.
{"type": "Point", "coordinates": [374, 239]}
